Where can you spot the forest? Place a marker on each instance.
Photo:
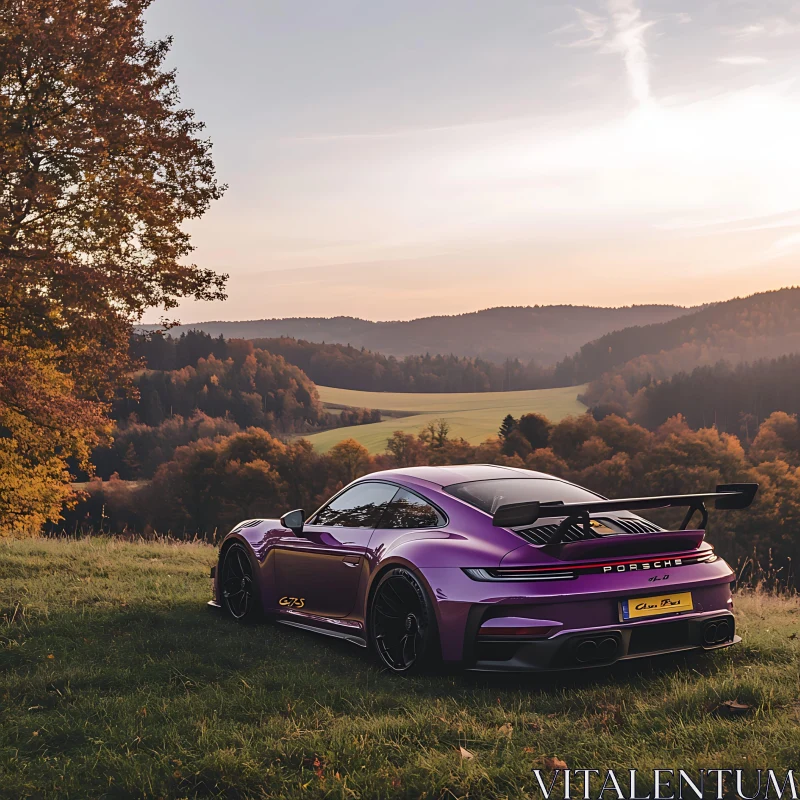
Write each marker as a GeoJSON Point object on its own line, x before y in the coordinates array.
{"type": "Point", "coordinates": [348, 367]}
{"type": "Point", "coordinates": [203, 487]}
{"type": "Point", "coordinates": [739, 331]}
{"type": "Point", "coordinates": [733, 398]}
{"type": "Point", "coordinates": [762, 325]}
{"type": "Point", "coordinates": [248, 385]}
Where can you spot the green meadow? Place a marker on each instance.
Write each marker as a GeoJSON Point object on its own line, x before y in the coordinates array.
{"type": "Point", "coordinates": [116, 682]}
{"type": "Point", "coordinates": [472, 415]}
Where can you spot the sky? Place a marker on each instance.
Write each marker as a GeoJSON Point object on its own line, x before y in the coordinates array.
{"type": "Point", "coordinates": [391, 159]}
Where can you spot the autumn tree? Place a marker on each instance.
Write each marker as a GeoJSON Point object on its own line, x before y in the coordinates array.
{"type": "Point", "coordinates": [99, 169]}
{"type": "Point", "coordinates": [436, 433]}
{"type": "Point", "coordinates": [777, 438]}
{"type": "Point", "coordinates": [405, 449]}
{"type": "Point", "coordinates": [506, 426]}
{"type": "Point", "coordinates": [351, 460]}
{"type": "Point", "coordinates": [536, 429]}
{"type": "Point", "coordinates": [515, 444]}
{"type": "Point", "coordinates": [212, 485]}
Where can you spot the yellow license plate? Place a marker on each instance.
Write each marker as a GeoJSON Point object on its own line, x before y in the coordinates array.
{"type": "Point", "coordinates": [637, 607]}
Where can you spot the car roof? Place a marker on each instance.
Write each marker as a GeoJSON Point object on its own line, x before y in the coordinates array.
{"type": "Point", "coordinates": [460, 473]}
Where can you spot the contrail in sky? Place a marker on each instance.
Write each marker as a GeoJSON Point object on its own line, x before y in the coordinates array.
{"type": "Point", "coordinates": [629, 40]}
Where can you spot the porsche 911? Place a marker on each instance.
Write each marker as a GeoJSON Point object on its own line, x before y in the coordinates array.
{"type": "Point", "coordinates": [488, 568]}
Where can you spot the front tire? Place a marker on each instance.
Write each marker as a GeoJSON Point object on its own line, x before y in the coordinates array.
{"type": "Point", "coordinates": [239, 585]}
{"type": "Point", "coordinates": [402, 624]}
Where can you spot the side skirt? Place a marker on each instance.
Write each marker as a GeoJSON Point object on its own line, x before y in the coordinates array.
{"type": "Point", "coordinates": [348, 637]}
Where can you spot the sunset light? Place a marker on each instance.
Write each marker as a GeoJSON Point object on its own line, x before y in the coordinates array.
{"type": "Point", "coordinates": [600, 139]}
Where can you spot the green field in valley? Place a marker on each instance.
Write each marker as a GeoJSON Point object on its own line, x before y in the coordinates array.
{"type": "Point", "coordinates": [116, 682]}
{"type": "Point", "coordinates": [472, 415]}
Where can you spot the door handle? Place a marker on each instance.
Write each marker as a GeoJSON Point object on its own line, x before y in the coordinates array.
{"type": "Point", "coordinates": [351, 561]}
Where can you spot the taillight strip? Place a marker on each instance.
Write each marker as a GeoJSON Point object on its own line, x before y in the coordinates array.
{"type": "Point", "coordinates": [598, 567]}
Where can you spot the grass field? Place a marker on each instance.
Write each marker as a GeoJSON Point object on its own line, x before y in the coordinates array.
{"type": "Point", "coordinates": [473, 415]}
{"type": "Point", "coordinates": [116, 682]}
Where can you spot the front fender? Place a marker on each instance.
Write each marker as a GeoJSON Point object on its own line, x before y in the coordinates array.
{"type": "Point", "coordinates": [257, 539]}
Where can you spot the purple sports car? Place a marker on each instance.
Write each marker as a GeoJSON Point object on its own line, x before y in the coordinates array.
{"type": "Point", "coordinates": [489, 567]}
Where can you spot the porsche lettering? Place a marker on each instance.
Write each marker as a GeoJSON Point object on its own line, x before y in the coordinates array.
{"type": "Point", "coordinates": [635, 567]}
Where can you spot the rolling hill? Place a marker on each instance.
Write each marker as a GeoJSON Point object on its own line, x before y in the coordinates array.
{"type": "Point", "coordinates": [743, 329]}
{"type": "Point", "coordinates": [541, 333]}
{"type": "Point", "coordinates": [473, 415]}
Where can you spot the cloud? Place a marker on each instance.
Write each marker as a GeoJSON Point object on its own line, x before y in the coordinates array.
{"type": "Point", "coordinates": [775, 28]}
{"type": "Point", "coordinates": [785, 245]}
{"type": "Point", "coordinates": [621, 32]}
{"type": "Point", "coordinates": [742, 61]}
{"type": "Point", "coordinates": [596, 27]}
{"type": "Point", "coordinates": [786, 219]}
{"type": "Point", "coordinates": [629, 41]}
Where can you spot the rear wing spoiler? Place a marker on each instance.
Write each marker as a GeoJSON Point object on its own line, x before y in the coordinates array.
{"type": "Point", "coordinates": [727, 496]}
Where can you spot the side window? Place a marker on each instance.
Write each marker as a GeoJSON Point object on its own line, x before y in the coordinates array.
{"type": "Point", "coordinates": [408, 510]}
{"type": "Point", "coordinates": [359, 507]}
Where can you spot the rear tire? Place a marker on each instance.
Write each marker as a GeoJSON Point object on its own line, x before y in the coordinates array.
{"type": "Point", "coordinates": [238, 584]}
{"type": "Point", "coordinates": [402, 624]}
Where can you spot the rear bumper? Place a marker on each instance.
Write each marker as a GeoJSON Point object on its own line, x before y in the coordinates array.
{"type": "Point", "coordinates": [602, 646]}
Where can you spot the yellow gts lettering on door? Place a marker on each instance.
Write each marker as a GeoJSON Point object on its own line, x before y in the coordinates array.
{"type": "Point", "coordinates": [292, 602]}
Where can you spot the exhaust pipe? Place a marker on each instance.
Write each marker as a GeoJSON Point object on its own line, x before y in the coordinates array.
{"type": "Point", "coordinates": [717, 631]}
{"type": "Point", "coordinates": [596, 650]}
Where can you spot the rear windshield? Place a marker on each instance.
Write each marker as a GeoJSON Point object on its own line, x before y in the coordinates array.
{"type": "Point", "coordinates": [489, 495]}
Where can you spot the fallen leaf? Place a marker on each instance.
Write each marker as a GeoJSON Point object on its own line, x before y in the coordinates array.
{"type": "Point", "coordinates": [465, 754]}
{"type": "Point", "coordinates": [506, 729]}
{"type": "Point", "coordinates": [528, 749]}
{"type": "Point", "coordinates": [36, 733]}
{"type": "Point", "coordinates": [554, 762]}
{"type": "Point", "coordinates": [732, 708]}
{"type": "Point", "coordinates": [51, 656]}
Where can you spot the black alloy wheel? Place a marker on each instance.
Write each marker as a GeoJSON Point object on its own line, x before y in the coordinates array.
{"type": "Point", "coordinates": [238, 584]}
{"type": "Point", "coordinates": [402, 623]}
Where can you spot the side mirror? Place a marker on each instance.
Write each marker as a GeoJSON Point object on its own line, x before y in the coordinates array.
{"type": "Point", "coordinates": [294, 521]}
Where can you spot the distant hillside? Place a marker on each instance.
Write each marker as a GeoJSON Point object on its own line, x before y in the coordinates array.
{"type": "Point", "coordinates": [544, 334]}
{"type": "Point", "coordinates": [743, 329]}
{"type": "Point", "coordinates": [733, 399]}
{"type": "Point", "coordinates": [347, 367]}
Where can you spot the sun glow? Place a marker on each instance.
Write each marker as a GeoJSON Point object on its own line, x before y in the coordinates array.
{"type": "Point", "coordinates": [735, 154]}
